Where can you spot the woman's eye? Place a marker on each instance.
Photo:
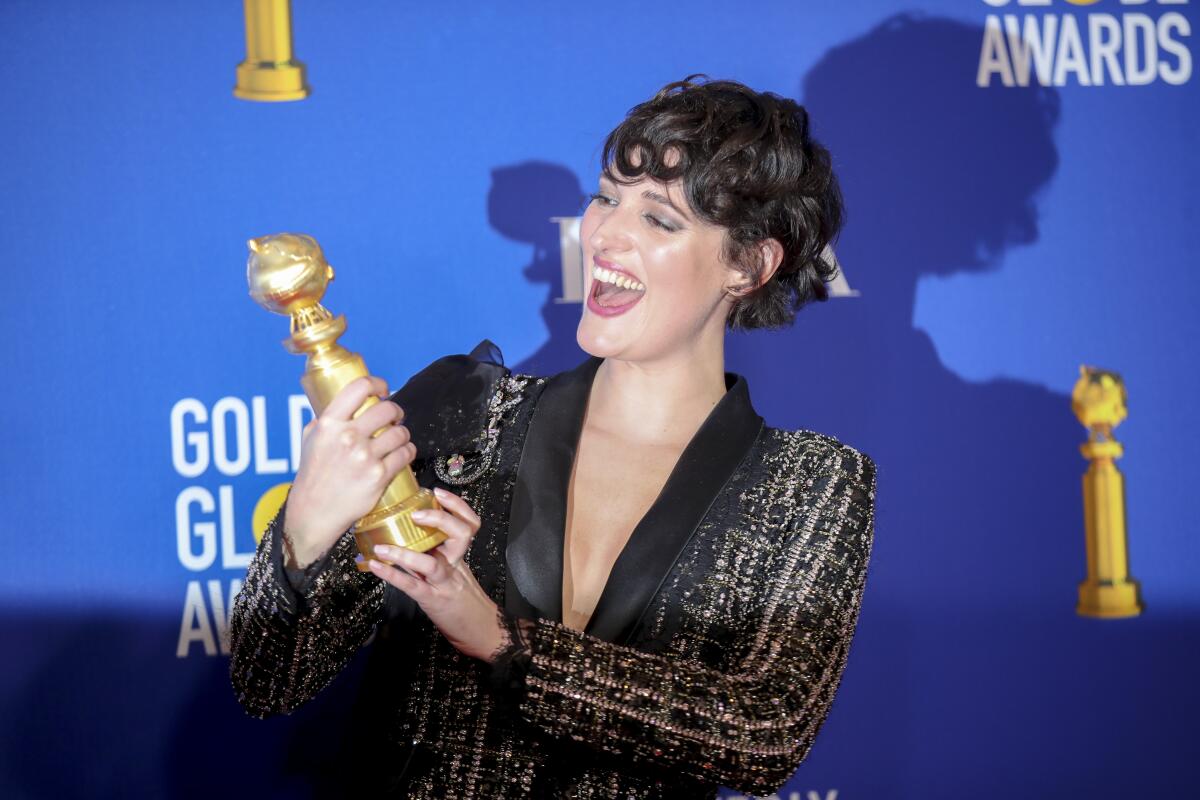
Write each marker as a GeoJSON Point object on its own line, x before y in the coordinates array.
{"type": "Point", "coordinates": [603, 199]}
{"type": "Point", "coordinates": [658, 223]}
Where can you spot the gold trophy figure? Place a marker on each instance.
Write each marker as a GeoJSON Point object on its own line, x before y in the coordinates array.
{"type": "Point", "coordinates": [270, 72]}
{"type": "Point", "coordinates": [288, 275]}
{"type": "Point", "coordinates": [1099, 401]}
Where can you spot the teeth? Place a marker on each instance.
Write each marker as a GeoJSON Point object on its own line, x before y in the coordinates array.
{"type": "Point", "coordinates": [617, 279]}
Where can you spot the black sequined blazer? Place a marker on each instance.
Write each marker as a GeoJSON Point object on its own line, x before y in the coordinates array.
{"type": "Point", "coordinates": [711, 658]}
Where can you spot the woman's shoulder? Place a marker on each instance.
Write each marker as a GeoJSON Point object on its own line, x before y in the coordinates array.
{"type": "Point", "coordinates": [829, 483]}
{"type": "Point", "coordinates": [818, 453]}
{"type": "Point", "coordinates": [484, 359]}
{"type": "Point", "coordinates": [450, 397]}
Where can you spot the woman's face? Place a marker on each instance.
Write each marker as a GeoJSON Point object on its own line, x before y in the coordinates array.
{"type": "Point", "coordinates": [644, 234]}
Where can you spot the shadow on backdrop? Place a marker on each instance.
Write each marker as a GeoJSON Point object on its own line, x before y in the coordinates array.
{"type": "Point", "coordinates": [94, 716]}
{"type": "Point", "coordinates": [969, 660]}
{"type": "Point", "coordinates": [522, 200]}
{"type": "Point", "coordinates": [971, 676]}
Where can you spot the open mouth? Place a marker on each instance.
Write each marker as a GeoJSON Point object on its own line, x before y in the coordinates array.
{"type": "Point", "coordinates": [613, 292]}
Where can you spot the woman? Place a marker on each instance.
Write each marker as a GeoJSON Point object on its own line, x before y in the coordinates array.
{"type": "Point", "coordinates": [646, 592]}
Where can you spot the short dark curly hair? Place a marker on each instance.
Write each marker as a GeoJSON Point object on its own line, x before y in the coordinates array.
{"type": "Point", "coordinates": [747, 164]}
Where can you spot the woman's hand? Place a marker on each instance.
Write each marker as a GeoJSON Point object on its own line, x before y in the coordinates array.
{"type": "Point", "coordinates": [344, 468]}
{"type": "Point", "coordinates": [441, 583]}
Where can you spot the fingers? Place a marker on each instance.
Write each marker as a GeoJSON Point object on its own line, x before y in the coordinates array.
{"type": "Point", "coordinates": [393, 437]}
{"type": "Point", "coordinates": [452, 526]}
{"type": "Point", "coordinates": [456, 519]}
{"type": "Point", "coordinates": [430, 569]}
{"type": "Point", "coordinates": [353, 395]}
{"type": "Point", "coordinates": [411, 586]}
{"type": "Point", "coordinates": [459, 507]}
{"type": "Point", "coordinates": [378, 418]}
{"type": "Point", "coordinates": [397, 460]}
{"type": "Point", "coordinates": [379, 387]}
{"type": "Point", "coordinates": [423, 565]}
{"type": "Point", "coordinates": [458, 532]}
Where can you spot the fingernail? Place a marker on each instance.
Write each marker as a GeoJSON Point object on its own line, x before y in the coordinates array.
{"type": "Point", "coordinates": [439, 491]}
{"type": "Point", "coordinates": [381, 549]}
{"type": "Point", "coordinates": [420, 514]}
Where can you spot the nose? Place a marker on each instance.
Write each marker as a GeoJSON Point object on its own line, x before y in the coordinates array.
{"type": "Point", "coordinates": [610, 232]}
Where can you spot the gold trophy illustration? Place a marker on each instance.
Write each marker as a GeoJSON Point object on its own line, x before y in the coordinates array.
{"type": "Point", "coordinates": [1099, 401]}
{"type": "Point", "coordinates": [270, 72]}
{"type": "Point", "coordinates": [288, 275]}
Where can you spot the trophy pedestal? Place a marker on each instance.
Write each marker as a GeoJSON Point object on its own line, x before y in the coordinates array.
{"type": "Point", "coordinates": [1109, 600]}
{"type": "Point", "coordinates": [271, 82]}
{"type": "Point", "coordinates": [270, 73]}
{"type": "Point", "coordinates": [393, 525]}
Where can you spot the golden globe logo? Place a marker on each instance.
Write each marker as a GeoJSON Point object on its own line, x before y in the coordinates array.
{"type": "Point", "coordinates": [213, 447]}
{"type": "Point", "coordinates": [266, 508]}
{"type": "Point", "coordinates": [1052, 45]}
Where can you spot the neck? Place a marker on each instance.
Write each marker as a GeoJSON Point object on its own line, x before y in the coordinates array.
{"type": "Point", "coordinates": [658, 402]}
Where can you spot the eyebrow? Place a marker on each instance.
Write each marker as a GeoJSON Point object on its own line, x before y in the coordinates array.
{"type": "Point", "coordinates": [650, 194]}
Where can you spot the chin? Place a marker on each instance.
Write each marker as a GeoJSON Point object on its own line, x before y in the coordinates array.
{"type": "Point", "coordinates": [601, 338]}
{"type": "Point", "coordinates": [591, 343]}
{"type": "Point", "coordinates": [595, 341]}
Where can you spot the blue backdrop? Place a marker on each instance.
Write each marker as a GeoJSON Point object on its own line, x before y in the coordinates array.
{"type": "Point", "coordinates": [1018, 205]}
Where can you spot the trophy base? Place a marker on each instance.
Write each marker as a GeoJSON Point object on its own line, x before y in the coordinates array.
{"type": "Point", "coordinates": [393, 525]}
{"type": "Point", "coordinates": [1109, 600]}
{"type": "Point", "coordinates": [271, 81]}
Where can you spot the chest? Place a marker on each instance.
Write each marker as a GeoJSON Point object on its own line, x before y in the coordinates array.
{"type": "Point", "coordinates": [612, 485]}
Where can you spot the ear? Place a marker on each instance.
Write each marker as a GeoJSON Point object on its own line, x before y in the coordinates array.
{"type": "Point", "coordinates": [770, 256]}
{"type": "Point", "coordinates": [770, 253]}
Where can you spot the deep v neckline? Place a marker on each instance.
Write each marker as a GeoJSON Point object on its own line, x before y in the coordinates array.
{"type": "Point", "coordinates": [567, 598]}
{"type": "Point", "coordinates": [537, 519]}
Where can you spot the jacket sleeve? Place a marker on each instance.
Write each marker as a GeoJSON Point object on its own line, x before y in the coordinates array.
{"type": "Point", "coordinates": [292, 631]}
{"type": "Point", "coordinates": [747, 729]}
{"type": "Point", "coordinates": [290, 635]}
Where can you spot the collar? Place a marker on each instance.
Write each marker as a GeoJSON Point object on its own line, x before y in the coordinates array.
{"type": "Point", "coordinates": [537, 519]}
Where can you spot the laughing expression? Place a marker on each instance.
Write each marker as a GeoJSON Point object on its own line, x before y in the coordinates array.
{"type": "Point", "coordinates": [655, 280]}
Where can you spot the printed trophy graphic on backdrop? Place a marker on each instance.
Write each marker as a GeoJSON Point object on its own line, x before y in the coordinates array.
{"type": "Point", "coordinates": [288, 275]}
{"type": "Point", "coordinates": [270, 73]}
{"type": "Point", "coordinates": [1099, 401]}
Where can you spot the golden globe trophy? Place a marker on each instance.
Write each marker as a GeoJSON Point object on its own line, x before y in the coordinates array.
{"type": "Point", "coordinates": [288, 275]}
{"type": "Point", "coordinates": [1098, 400]}
{"type": "Point", "coordinates": [270, 72]}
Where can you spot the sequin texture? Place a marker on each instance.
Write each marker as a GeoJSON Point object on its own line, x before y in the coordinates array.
{"type": "Point", "coordinates": [729, 677]}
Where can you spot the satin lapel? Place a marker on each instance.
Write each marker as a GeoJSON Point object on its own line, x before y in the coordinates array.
{"type": "Point", "coordinates": [537, 517]}
{"type": "Point", "coordinates": [660, 537]}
